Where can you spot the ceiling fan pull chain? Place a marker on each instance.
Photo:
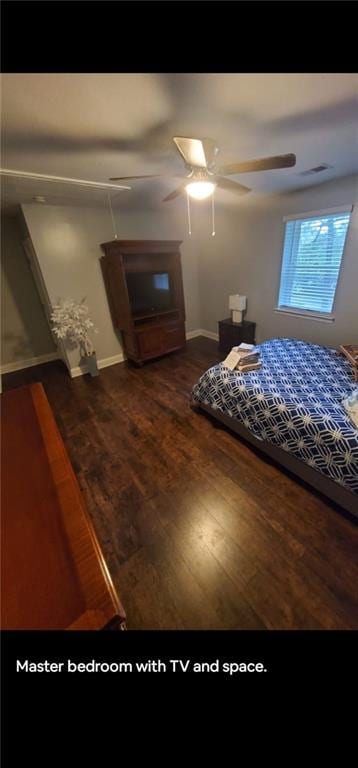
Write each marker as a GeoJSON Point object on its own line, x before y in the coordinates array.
{"type": "Point", "coordinates": [189, 221]}
{"type": "Point", "coordinates": [213, 215]}
{"type": "Point", "coordinates": [112, 217]}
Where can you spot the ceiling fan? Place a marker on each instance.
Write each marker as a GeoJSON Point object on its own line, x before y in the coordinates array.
{"type": "Point", "coordinates": [204, 175]}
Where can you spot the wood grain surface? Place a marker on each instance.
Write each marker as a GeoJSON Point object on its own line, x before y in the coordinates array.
{"type": "Point", "coordinates": [198, 529]}
{"type": "Point", "coordinates": [53, 572]}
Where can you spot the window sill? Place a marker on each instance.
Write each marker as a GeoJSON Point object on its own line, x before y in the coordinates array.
{"type": "Point", "coordinates": [320, 318]}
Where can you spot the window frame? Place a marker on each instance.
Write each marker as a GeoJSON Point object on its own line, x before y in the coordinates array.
{"type": "Point", "coordinates": [323, 317]}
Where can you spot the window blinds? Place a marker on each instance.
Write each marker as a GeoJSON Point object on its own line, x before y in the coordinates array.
{"type": "Point", "coordinates": [312, 255]}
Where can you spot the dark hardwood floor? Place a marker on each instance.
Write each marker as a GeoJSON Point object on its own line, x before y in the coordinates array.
{"type": "Point", "coordinates": [198, 530]}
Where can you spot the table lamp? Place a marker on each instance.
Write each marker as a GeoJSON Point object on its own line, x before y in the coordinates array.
{"type": "Point", "coordinates": [237, 304]}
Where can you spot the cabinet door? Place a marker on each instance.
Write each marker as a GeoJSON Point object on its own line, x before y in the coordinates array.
{"type": "Point", "coordinates": [174, 336]}
{"type": "Point", "coordinates": [150, 341]}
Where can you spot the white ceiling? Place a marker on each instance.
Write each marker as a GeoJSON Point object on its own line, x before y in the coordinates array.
{"type": "Point", "coordinates": [93, 126]}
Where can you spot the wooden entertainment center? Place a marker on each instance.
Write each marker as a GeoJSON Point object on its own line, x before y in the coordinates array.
{"type": "Point", "coordinates": [152, 331]}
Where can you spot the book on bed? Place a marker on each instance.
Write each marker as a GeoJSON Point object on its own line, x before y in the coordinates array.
{"type": "Point", "coordinates": [245, 357]}
{"type": "Point", "coordinates": [245, 367]}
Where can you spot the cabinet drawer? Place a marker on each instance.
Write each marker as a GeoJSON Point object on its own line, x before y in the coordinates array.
{"type": "Point", "coordinates": [174, 336]}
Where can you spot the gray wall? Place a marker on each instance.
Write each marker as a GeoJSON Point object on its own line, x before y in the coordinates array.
{"type": "Point", "coordinates": [67, 243]}
{"type": "Point", "coordinates": [24, 329]}
{"type": "Point", "coordinates": [245, 257]}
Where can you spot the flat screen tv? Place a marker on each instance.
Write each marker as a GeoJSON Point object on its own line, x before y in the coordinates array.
{"type": "Point", "coordinates": [149, 291]}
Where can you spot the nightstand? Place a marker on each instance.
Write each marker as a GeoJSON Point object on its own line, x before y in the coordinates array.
{"type": "Point", "coordinates": [232, 334]}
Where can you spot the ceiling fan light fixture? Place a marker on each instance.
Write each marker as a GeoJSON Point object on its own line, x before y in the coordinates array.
{"type": "Point", "coordinates": [199, 190]}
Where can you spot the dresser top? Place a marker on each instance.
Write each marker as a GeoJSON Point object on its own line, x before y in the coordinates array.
{"type": "Point", "coordinates": [53, 572]}
{"type": "Point", "coordinates": [244, 324]}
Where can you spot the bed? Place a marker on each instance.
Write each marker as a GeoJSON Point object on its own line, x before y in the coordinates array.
{"type": "Point", "coordinates": [291, 408]}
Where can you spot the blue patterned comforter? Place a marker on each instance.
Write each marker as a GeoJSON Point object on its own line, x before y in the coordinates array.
{"type": "Point", "coordinates": [293, 401]}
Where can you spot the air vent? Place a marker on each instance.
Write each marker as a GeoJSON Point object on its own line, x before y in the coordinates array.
{"type": "Point", "coordinates": [316, 169]}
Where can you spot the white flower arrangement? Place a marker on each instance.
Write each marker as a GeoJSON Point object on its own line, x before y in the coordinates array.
{"type": "Point", "coordinates": [71, 321]}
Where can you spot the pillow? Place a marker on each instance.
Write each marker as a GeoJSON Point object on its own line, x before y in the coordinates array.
{"type": "Point", "coordinates": [350, 404]}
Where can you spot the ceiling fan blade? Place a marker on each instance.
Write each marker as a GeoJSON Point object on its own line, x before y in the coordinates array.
{"type": "Point", "coordinates": [149, 176]}
{"type": "Point", "coordinates": [231, 186]}
{"type": "Point", "coordinates": [191, 150]}
{"type": "Point", "coordinates": [179, 191]}
{"type": "Point", "coordinates": [211, 151]}
{"type": "Point", "coordinates": [262, 164]}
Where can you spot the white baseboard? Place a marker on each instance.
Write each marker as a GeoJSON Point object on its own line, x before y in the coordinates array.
{"type": "Point", "coordinates": [120, 358]}
{"type": "Point", "coordinates": [202, 332]}
{"type": "Point", "coordinates": [18, 365]}
{"type": "Point", "coordinates": [192, 334]}
{"type": "Point", "coordinates": [107, 361]}
{"type": "Point", "coordinates": [104, 363]}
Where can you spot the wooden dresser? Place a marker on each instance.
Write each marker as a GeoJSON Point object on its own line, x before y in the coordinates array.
{"type": "Point", "coordinates": [151, 333]}
{"type": "Point", "coordinates": [53, 572]}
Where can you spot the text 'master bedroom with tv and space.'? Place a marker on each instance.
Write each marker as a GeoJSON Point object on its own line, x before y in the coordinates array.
{"type": "Point", "coordinates": [179, 351]}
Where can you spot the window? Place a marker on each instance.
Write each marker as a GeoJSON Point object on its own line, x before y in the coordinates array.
{"type": "Point", "coordinates": [312, 256]}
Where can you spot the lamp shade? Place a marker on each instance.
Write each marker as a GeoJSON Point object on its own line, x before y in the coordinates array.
{"type": "Point", "coordinates": [237, 302]}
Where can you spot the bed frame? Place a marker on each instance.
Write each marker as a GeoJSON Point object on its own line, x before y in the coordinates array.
{"type": "Point", "coordinates": [336, 493]}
